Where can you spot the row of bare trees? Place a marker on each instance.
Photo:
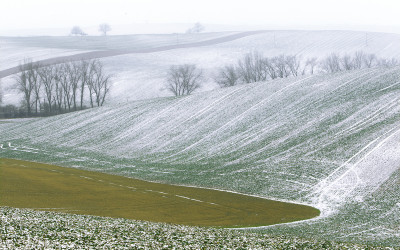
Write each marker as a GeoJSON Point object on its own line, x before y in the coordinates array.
{"type": "Point", "coordinates": [65, 87]}
{"type": "Point", "coordinates": [254, 67]}
{"type": "Point", "coordinates": [335, 62]}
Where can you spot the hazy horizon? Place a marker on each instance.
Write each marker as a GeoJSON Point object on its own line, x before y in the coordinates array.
{"type": "Point", "coordinates": [45, 17]}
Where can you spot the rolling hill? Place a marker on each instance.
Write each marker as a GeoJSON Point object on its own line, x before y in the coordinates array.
{"type": "Point", "coordinates": [140, 62]}
{"type": "Point", "coordinates": [330, 141]}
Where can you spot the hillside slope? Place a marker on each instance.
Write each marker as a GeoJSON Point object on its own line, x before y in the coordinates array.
{"type": "Point", "coordinates": [141, 73]}
{"type": "Point", "coordinates": [141, 76]}
{"type": "Point", "coordinates": [332, 141]}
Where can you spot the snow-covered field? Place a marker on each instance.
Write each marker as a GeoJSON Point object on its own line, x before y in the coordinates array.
{"type": "Point", "coordinates": [21, 228]}
{"type": "Point", "coordinates": [14, 50]}
{"type": "Point", "coordinates": [140, 76]}
{"type": "Point", "coordinates": [331, 141]}
{"type": "Point", "coordinates": [120, 42]}
{"type": "Point", "coordinates": [12, 56]}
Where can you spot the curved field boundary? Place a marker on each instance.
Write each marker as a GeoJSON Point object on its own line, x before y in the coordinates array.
{"type": "Point", "coordinates": [108, 53]}
{"type": "Point", "coordinates": [52, 188]}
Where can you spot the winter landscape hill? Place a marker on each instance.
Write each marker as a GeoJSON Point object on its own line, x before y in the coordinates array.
{"type": "Point", "coordinates": [141, 75]}
{"type": "Point", "coordinates": [331, 141]}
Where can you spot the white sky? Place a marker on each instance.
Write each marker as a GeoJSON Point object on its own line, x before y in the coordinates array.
{"type": "Point", "coordinates": [33, 14]}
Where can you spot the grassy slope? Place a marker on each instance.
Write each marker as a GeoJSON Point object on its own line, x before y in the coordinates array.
{"type": "Point", "coordinates": [305, 140]}
{"type": "Point", "coordinates": [52, 188]}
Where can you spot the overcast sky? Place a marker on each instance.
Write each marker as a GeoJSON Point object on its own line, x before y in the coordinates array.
{"type": "Point", "coordinates": [33, 14]}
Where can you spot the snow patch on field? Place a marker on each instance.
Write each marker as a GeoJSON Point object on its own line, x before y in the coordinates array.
{"type": "Point", "coordinates": [12, 55]}
{"type": "Point", "coordinates": [362, 174]}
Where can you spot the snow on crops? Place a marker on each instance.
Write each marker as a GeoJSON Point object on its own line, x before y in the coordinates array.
{"type": "Point", "coordinates": [23, 228]}
{"type": "Point", "coordinates": [331, 141]}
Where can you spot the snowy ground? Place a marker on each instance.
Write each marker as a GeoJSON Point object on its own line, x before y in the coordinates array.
{"type": "Point", "coordinates": [15, 49]}
{"type": "Point", "coordinates": [22, 228]}
{"type": "Point", "coordinates": [331, 141]}
{"type": "Point", "coordinates": [142, 76]}
{"type": "Point", "coordinates": [12, 55]}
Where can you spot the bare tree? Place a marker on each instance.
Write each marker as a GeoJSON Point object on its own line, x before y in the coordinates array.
{"type": "Point", "coordinates": [346, 62]}
{"type": "Point", "coordinates": [331, 64]}
{"type": "Point", "coordinates": [282, 66]}
{"type": "Point", "coordinates": [73, 71]}
{"type": "Point", "coordinates": [58, 89]}
{"type": "Point", "coordinates": [197, 28]}
{"type": "Point", "coordinates": [29, 84]}
{"type": "Point", "coordinates": [369, 60]}
{"type": "Point", "coordinates": [37, 86]}
{"type": "Point", "coordinates": [77, 31]}
{"type": "Point", "coordinates": [270, 67]}
{"type": "Point", "coordinates": [25, 83]}
{"type": "Point", "coordinates": [47, 78]}
{"type": "Point", "coordinates": [359, 59]}
{"type": "Point", "coordinates": [312, 63]}
{"type": "Point", "coordinates": [293, 63]}
{"type": "Point", "coordinates": [252, 68]}
{"type": "Point", "coordinates": [227, 76]}
{"type": "Point", "coordinates": [183, 79]}
{"type": "Point", "coordinates": [99, 83]}
{"type": "Point", "coordinates": [90, 81]}
{"type": "Point", "coordinates": [66, 85]}
{"type": "Point", "coordinates": [25, 87]}
{"type": "Point", "coordinates": [85, 74]}
{"type": "Point", "coordinates": [104, 28]}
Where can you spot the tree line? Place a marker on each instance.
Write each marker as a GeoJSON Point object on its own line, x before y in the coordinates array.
{"type": "Point", "coordinates": [254, 67]}
{"type": "Point", "coordinates": [66, 87]}
{"type": "Point", "coordinates": [77, 31]}
{"type": "Point", "coordinates": [56, 89]}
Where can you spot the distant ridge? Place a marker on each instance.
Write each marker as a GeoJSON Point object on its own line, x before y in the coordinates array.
{"type": "Point", "coordinates": [108, 53]}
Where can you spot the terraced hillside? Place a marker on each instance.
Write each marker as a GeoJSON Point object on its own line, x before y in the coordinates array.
{"type": "Point", "coordinates": [331, 141]}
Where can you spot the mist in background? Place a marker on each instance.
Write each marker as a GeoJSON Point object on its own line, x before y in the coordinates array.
{"type": "Point", "coordinates": [57, 17]}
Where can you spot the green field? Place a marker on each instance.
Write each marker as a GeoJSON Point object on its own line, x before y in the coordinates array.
{"type": "Point", "coordinates": [52, 188]}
